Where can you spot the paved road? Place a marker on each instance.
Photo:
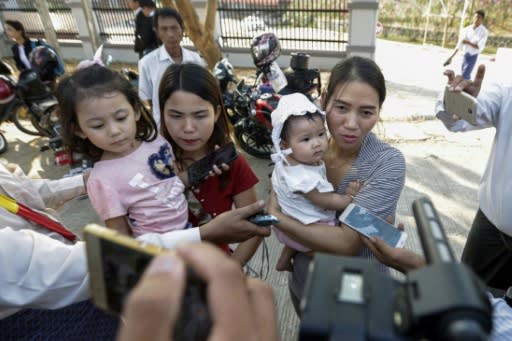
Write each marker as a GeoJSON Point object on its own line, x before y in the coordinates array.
{"type": "Point", "coordinates": [443, 166]}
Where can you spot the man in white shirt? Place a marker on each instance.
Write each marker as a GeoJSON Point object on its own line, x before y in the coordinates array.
{"type": "Point", "coordinates": [472, 39]}
{"type": "Point", "coordinates": [168, 25]}
{"type": "Point", "coordinates": [488, 249]}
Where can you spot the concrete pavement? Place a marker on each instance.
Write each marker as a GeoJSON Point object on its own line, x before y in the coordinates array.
{"type": "Point", "coordinates": [441, 165]}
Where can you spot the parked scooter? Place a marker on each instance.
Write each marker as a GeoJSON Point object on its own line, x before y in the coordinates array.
{"type": "Point", "coordinates": [250, 106]}
{"type": "Point", "coordinates": [29, 97]}
{"type": "Point", "coordinates": [6, 96]}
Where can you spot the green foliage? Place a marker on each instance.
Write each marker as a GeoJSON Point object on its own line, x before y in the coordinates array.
{"type": "Point", "coordinates": [412, 13]}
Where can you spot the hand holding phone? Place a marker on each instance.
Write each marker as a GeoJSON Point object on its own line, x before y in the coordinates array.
{"type": "Point", "coordinates": [200, 169]}
{"type": "Point", "coordinates": [116, 263]}
{"type": "Point", "coordinates": [239, 305]}
{"type": "Point", "coordinates": [461, 104]}
{"type": "Point", "coordinates": [362, 221]}
{"type": "Point", "coordinates": [263, 219]}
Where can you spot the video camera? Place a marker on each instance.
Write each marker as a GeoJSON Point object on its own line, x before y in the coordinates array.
{"type": "Point", "coordinates": [348, 298]}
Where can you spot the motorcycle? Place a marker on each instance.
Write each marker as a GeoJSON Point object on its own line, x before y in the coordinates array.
{"type": "Point", "coordinates": [28, 97]}
{"type": "Point", "coordinates": [250, 107]}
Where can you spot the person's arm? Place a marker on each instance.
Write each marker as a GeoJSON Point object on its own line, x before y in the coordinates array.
{"type": "Point", "coordinates": [52, 192]}
{"type": "Point", "coordinates": [329, 200]}
{"type": "Point", "coordinates": [400, 259]}
{"type": "Point", "coordinates": [319, 237]}
{"type": "Point", "coordinates": [488, 107]}
{"type": "Point", "coordinates": [246, 250]}
{"type": "Point", "coordinates": [229, 227]}
{"type": "Point", "coordinates": [460, 43]}
{"type": "Point", "coordinates": [40, 272]}
{"type": "Point", "coordinates": [482, 40]}
{"type": "Point", "coordinates": [241, 308]}
{"type": "Point", "coordinates": [145, 82]}
{"type": "Point", "coordinates": [120, 224]}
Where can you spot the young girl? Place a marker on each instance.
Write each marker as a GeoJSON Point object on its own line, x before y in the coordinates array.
{"type": "Point", "coordinates": [299, 177]}
{"type": "Point", "coordinates": [194, 121]}
{"type": "Point", "coordinates": [133, 186]}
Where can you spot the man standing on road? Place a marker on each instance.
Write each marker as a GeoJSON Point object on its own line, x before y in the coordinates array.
{"type": "Point", "coordinates": [472, 39]}
{"type": "Point", "coordinates": [168, 25]}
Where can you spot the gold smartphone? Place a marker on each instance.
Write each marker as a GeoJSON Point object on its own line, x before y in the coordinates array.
{"type": "Point", "coordinates": [461, 104]}
{"type": "Point", "coordinates": [116, 262]}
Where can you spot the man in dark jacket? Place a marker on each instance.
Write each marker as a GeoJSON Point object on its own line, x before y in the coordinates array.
{"type": "Point", "coordinates": [145, 37]}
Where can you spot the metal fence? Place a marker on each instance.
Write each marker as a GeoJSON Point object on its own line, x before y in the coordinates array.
{"type": "Point", "coordinates": [306, 25]}
{"type": "Point", "coordinates": [26, 12]}
{"type": "Point", "coordinates": [115, 20]}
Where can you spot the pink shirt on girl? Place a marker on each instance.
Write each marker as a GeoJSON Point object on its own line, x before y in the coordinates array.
{"type": "Point", "coordinates": [143, 186]}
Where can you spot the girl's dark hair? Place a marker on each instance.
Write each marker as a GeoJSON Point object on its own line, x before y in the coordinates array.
{"type": "Point", "coordinates": [18, 26]}
{"type": "Point", "coordinates": [356, 69]}
{"type": "Point", "coordinates": [93, 82]}
{"type": "Point", "coordinates": [196, 80]}
{"type": "Point", "coordinates": [285, 131]}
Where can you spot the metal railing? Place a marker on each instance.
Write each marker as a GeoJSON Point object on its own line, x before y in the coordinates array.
{"type": "Point", "coordinates": [306, 25]}
{"type": "Point", "coordinates": [26, 12]}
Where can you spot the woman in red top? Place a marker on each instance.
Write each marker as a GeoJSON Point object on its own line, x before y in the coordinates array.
{"type": "Point", "coordinates": [194, 121]}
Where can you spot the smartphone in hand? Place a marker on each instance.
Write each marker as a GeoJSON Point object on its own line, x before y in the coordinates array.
{"type": "Point", "coordinates": [263, 219]}
{"type": "Point", "coordinates": [116, 263]}
{"type": "Point", "coordinates": [462, 104]}
{"type": "Point", "coordinates": [200, 169]}
{"type": "Point", "coordinates": [364, 222]}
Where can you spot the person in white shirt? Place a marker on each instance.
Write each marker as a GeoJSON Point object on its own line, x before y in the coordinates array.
{"type": "Point", "coordinates": [168, 25]}
{"type": "Point", "coordinates": [488, 249]}
{"type": "Point", "coordinates": [472, 40]}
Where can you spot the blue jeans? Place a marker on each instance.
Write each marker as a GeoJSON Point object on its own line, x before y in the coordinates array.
{"type": "Point", "coordinates": [468, 63]}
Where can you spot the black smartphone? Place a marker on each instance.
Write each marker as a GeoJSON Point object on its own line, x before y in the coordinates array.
{"type": "Point", "coordinates": [116, 262]}
{"type": "Point", "coordinates": [263, 219]}
{"type": "Point", "coordinates": [200, 169]}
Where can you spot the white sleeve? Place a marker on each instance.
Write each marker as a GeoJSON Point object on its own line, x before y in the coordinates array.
{"type": "Point", "coordinates": [40, 272]}
{"type": "Point", "coordinates": [39, 193]}
{"type": "Point", "coordinates": [169, 240]}
{"type": "Point", "coordinates": [462, 35]}
{"type": "Point", "coordinates": [56, 192]}
{"type": "Point", "coordinates": [145, 85]}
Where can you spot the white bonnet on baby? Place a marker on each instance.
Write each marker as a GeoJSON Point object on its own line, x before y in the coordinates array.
{"type": "Point", "coordinates": [296, 104]}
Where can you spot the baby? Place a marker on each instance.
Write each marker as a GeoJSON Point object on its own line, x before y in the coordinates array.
{"type": "Point", "coordinates": [299, 177]}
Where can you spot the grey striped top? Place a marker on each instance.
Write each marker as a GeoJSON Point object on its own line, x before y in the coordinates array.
{"type": "Point", "coordinates": [381, 169]}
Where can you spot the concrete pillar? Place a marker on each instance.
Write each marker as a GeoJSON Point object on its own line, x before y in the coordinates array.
{"type": "Point", "coordinates": [362, 21]}
{"type": "Point", "coordinates": [49, 30]}
{"type": "Point", "coordinates": [86, 23]}
{"type": "Point", "coordinates": [5, 43]}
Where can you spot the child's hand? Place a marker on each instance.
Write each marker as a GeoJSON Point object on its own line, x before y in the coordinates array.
{"type": "Point", "coordinates": [353, 188]}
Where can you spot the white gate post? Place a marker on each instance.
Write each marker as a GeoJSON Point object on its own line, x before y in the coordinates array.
{"type": "Point", "coordinates": [362, 24]}
{"type": "Point", "coordinates": [85, 22]}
